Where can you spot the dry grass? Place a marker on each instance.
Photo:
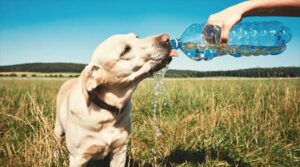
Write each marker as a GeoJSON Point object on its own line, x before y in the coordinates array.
{"type": "Point", "coordinates": [203, 123]}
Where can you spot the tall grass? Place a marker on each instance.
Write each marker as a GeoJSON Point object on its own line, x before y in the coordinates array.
{"type": "Point", "coordinates": [203, 123]}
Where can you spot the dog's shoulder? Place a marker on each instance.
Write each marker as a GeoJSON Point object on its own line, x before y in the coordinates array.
{"type": "Point", "coordinates": [65, 88]}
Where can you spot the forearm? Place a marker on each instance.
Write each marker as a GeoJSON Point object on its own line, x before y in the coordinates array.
{"type": "Point", "coordinates": [270, 8]}
{"type": "Point", "coordinates": [228, 17]}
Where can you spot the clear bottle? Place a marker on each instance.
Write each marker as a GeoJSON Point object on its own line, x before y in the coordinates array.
{"type": "Point", "coordinates": [201, 42]}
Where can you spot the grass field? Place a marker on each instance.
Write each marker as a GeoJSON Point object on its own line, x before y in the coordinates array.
{"type": "Point", "coordinates": [203, 123]}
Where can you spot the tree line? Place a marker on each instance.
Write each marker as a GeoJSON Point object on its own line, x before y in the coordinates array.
{"type": "Point", "coordinates": [251, 72]}
{"type": "Point", "coordinates": [77, 68]}
{"type": "Point", "coordinates": [44, 67]}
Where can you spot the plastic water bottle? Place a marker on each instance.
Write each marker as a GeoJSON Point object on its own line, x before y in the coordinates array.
{"type": "Point", "coordinates": [201, 42]}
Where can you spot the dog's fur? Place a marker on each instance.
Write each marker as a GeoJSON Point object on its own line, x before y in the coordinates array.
{"type": "Point", "coordinates": [117, 65]}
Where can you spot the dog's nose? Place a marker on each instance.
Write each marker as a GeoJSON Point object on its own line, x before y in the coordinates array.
{"type": "Point", "coordinates": [163, 39]}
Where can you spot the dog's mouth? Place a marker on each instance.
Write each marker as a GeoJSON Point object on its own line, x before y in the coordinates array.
{"type": "Point", "coordinates": [164, 53]}
{"type": "Point", "coordinates": [161, 65]}
{"type": "Point", "coordinates": [160, 58]}
{"type": "Point", "coordinates": [164, 61]}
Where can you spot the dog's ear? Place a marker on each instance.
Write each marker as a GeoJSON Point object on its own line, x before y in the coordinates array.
{"type": "Point", "coordinates": [91, 78]}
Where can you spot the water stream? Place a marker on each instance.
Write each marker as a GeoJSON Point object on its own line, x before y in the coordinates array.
{"type": "Point", "coordinates": [158, 96]}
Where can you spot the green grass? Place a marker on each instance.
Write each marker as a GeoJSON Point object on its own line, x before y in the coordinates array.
{"type": "Point", "coordinates": [203, 123]}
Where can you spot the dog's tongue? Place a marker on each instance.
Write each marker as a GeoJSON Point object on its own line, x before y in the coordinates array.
{"type": "Point", "coordinates": [173, 53]}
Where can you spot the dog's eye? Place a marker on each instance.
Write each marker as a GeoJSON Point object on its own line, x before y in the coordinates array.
{"type": "Point", "coordinates": [126, 50]}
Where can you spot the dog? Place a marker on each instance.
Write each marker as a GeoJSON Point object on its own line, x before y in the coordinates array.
{"type": "Point", "coordinates": [93, 110]}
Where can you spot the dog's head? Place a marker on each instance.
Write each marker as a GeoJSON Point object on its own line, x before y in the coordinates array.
{"type": "Point", "coordinates": [125, 60]}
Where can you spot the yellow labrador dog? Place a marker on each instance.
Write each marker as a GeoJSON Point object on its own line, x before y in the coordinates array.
{"type": "Point", "coordinates": [93, 111]}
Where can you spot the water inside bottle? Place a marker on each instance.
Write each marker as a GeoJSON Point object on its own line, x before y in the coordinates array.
{"type": "Point", "coordinates": [206, 52]}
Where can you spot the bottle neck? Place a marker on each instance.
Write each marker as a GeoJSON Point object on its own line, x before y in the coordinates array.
{"type": "Point", "coordinates": [175, 43]}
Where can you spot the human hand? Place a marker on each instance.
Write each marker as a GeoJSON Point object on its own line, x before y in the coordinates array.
{"type": "Point", "coordinates": [225, 19]}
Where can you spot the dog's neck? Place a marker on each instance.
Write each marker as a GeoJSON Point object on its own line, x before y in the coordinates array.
{"type": "Point", "coordinates": [102, 104]}
{"type": "Point", "coordinates": [116, 97]}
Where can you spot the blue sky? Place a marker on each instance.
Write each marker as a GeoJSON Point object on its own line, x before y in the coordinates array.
{"type": "Point", "coordinates": [69, 30]}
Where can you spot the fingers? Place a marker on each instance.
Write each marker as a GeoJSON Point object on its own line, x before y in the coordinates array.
{"type": "Point", "coordinates": [213, 20]}
{"type": "Point", "coordinates": [226, 20]}
{"type": "Point", "coordinates": [224, 36]}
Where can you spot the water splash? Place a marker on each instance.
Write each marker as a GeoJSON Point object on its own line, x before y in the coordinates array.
{"type": "Point", "coordinates": [158, 96]}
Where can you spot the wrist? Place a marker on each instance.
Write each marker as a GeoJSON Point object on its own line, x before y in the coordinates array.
{"type": "Point", "coordinates": [255, 7]}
